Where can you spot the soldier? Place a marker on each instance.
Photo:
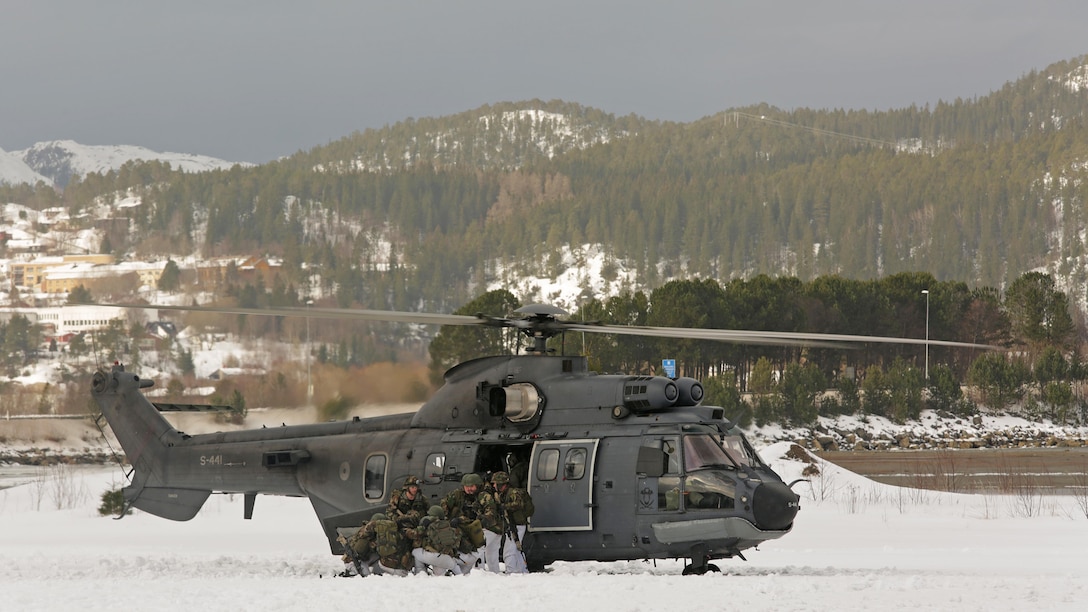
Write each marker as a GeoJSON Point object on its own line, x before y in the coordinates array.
{"type": "Point", "coordinates": [506, 511]}
{"type": "Point", "coordinates": [359, 552]}
{"type": "Point", "coordinates": [494, 524]}
{"type": "Point", "coordinates": [408, 504]}
{"type": "Point", "coordinates": [463, 506]}
{"type": "Point", "coordinates": [393, 548]}
{"type": "Point", "coordinates": [439, 545]}
{"type": "Point", "coordinates": [519, 471]}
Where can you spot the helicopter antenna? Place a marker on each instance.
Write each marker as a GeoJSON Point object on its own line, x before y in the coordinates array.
{"type": "Point", "coordinates": [98, 418]}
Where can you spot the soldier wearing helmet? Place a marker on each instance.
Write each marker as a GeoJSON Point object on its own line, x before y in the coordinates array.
{"type": "Point", "coordinates": [464, 502]}
{"type": "Point", "coordinates": [394, 549]}
{"type": "Point", "coordinates": [462, 506]}
{"type": "Point", "coordinates": [439, 545]}
{"type": "Point", "coordinates": [505, 511]}
{"type": "Point", "coordinates": [408, 504]}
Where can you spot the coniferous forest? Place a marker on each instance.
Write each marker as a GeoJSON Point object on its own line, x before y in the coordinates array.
{"type": "Point", "coordinates": [978, 191]}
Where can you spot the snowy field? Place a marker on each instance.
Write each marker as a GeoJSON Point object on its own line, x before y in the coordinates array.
{"type": "Point", "coordinates": [856, 545]}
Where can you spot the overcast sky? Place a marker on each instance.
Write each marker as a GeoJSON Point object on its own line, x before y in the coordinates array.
{"type": "Point", "coordinates": [255, 80]}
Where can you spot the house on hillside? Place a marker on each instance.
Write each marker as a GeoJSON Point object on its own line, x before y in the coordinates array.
{"type": "Point", "coordinates": [64, 279]}
{"type": "Point", "coordinates": [30, 275]}
{"type": "Point", "coordinates": [162, 329]}
{"type": "Point", "coordinates": [226, 372]}
{"type": "Point", "coordinates": [238, 270]}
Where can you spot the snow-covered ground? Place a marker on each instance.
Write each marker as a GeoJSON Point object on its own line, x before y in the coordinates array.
{"type": "Point", "coordinates": [856, 545]}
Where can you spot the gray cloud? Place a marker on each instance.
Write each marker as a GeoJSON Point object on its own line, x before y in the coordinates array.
{"type": "Point", "coordinates": [252, 81]}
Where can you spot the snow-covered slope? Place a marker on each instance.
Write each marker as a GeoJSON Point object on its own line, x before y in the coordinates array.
{"type": "Point", "coordinates": [13, 170]}
{"type": "Point", "coordinates": [60, 160]}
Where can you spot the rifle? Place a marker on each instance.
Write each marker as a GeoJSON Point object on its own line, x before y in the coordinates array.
{"type": "Point", "coordinates": [502, 540]}
{"type": "Point", "coordinates": [360, 565]}
{"type": "Point", "coordinates": [512, 527]}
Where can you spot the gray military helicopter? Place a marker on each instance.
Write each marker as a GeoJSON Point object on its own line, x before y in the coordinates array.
{"type": "Point", "coordinates": [619, 467]}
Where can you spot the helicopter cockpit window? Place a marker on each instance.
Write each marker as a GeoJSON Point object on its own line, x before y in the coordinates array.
{"type": "Point", "coordinates": [575, 466]}
{"type": "Point", "coordinates": [374, 477]}
{"type": "Point", "coordinates": [734, 447]}
{"type": "Point", "coordinates": [435, 468]}
{"type": "Point", "coordinates": [659, 462]}
{"type": "Point", "coordinates": [703, 451]}
{"type": "Point", "coordinates": [548, 467]}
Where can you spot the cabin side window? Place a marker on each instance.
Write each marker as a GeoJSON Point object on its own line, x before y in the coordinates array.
{"type": "Point", "coordinates": [575, 466]}
{"type": "Point", "coordinates": [671, 448]}
{"type": "Point", "coordinates": [374, 477]}
{"type": "Point", "coordinates": [548, 466]}
{"type": "Point", "coordinates": [435, 468]}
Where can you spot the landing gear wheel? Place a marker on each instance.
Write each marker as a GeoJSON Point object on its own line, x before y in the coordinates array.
{"type": "Point", "coordinates": [699, 570]}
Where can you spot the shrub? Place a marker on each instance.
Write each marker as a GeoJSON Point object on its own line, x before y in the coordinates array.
{"type": "Point", "coordinates": [944, 389]}
{"type": "Point", "coordinates": [336, 409]}
{"type": "Point", "coordinates": [849, 395]}
{"type": "Point", "coordinates": [113, 502]}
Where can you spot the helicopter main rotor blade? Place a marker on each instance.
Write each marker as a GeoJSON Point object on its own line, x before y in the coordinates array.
{"type": "Point", "coordinates": [694, 333]}
{"type": "Point", "coordinates": [393, 316]}
{"type": "Point", "coordinates": [542, 322]}
{"type": "Point", "coordinates": [762, 337]}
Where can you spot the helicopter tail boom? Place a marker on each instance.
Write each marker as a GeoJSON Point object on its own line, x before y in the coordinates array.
{"type": "Point", "coordinates": [145, 436]}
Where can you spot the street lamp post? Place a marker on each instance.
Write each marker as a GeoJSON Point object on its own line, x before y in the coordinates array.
{"type": "Point", "coordinates": [309, 358]}
{"type": "Point", "coordinates": [926, 292]}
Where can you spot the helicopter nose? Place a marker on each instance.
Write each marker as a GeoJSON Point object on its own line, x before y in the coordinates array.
{"type": "Point", "coordinates": [774, 505]}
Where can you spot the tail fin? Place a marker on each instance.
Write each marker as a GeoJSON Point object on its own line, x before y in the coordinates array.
{"type": "Point", "coordinates": [146, 438]}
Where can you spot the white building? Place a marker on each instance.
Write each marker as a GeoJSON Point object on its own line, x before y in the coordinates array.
{"type": "Point", "coordinates": [71, 319]}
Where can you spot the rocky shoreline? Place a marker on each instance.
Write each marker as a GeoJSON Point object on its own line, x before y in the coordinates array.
{"type": "Point", "coordinates": [862, 440]}
{"type": "Point", "coordinates": [47, 457]}
{"type": "Point", "coordinates": [932, 432]}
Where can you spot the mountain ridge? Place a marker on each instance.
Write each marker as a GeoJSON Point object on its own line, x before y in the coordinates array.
{"type": "Point", "coordinates": [474, 137]}
{"type": "Point", "coordinates": [58, 161]}
{"type": "Point", "coordinates": [445, 206]}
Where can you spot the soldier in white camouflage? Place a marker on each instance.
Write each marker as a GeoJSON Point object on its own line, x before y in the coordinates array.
{"type": "Point", "coordinates": [462, 506]}
{"type": "Point", "coordinates": [439, 542]}
{"type": "Point", "coordinates": [392, 545]}
{"type": "Point", "coordinates": [505, 512]}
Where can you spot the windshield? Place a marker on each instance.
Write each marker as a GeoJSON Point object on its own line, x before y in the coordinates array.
{"type": "Point", "coordinates": [702, 452]}
{"type": "Point", "coordinates": [709, 490]}
{"type": "Point", "coordinates": [734, 447]}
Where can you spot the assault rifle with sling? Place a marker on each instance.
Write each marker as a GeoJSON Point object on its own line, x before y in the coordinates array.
{"type": "Point", "coordinates": [360, 564]}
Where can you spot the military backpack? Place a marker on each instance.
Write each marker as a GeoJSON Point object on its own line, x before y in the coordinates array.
{"type": "Point", "coordinates": [521, 515]}
{"type": "Point", "coordinates": [388, 540]}
{"type": "Point", "coordinates": [443, 536]}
